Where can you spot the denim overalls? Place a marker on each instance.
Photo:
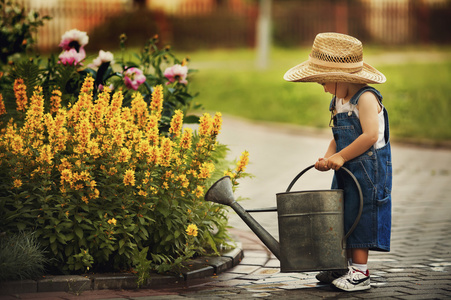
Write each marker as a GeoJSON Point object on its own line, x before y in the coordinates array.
{"type": "Point", "coordinates": [373, 170]}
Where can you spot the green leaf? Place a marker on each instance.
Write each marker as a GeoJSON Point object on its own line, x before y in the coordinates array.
{"type": "Point", "coordinates": [21, 226]}
{"type": "Point", "coordinates": [168, 238]}
{"type": "Point", "coordinates": [191, 119]}
{"type": "Point", "coordinates": [68, 250]}
{"type": "Point", "coordinates": [79, 232]}
{"type": "Point", "coordinates": [211, 242]}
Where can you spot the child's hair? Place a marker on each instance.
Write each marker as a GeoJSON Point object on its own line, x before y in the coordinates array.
{"type": "Point", "coordinates": [335, 57]}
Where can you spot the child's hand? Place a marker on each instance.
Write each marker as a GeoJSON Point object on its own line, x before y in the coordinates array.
{"type": "Point", "coordinates": [321, 165]}
{"type": "Point", "coordinates": [335, 161]}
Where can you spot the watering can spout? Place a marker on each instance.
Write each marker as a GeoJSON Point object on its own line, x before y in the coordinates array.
{"type": "Point", "coordinates": [221, 192]}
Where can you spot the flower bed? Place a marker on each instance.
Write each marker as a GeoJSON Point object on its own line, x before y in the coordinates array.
{"type": "Point", "coordinates": [97, 164]}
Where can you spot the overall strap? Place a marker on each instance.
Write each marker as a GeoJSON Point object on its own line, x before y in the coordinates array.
{"type": "Point", "coordinates": [357, 95]}
{"type": "Point", "coordinates": [387, 127]}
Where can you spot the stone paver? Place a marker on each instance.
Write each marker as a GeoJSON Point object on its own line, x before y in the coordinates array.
{"type": "Point", "coordinates": [418, 267]}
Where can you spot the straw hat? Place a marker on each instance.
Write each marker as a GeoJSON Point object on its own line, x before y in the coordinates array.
{"type": "Point", "coordinates": [335, 57]}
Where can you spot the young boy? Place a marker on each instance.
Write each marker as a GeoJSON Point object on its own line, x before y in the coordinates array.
{"type": "Point", "coordinates": [360, 143]}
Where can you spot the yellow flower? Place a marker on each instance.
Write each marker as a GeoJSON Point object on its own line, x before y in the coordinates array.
{"type": "Point", "coordinates": [112, 221]}
{"type": "Point", "coordinates": [192, 229]}
{"type": "Point", "coordinates": [2, 106]}
{"type": "Point", "coordinates": [217, 123]}
{"type": "Point", "coordinates": [199, 191]}
{"type": "Point", "coordinates": [124, 155]}
{"type": "Point", "coordinates": [229, 173]}
{"type": "Point", "coordinates": [244, 160]}
{"type": "Point", "coordinates": [55, 101]}
{"type": "Point", "coordinates": [45, 154]}
{"type": "Point", "coordinates": [186, 141]}
{"type": "Point", "coordinates": [166, 152]}
{"type": "Point", "coordinates": [112, 171]}
{"type": "Point", "coordinates": [17, 183]}
{"type": "Point", "coordinates": [20, 92]}
{"type": "Point", "coordinates": [176, 123]}
{"type": "Point", "coordinates": [139, 109]}
{"type": "Point", "coordinates": [88, 85]}
{"type": "Point", "coordinates": [85, 199]}
{"type": "Point", "coordinates": [156, 106]}
{"type": "Point", "coordinates": [129, 177]}
{"type": "Point", "coordinates": [205, 124]}
{"type": "Point", "coordinates": [205, 170]}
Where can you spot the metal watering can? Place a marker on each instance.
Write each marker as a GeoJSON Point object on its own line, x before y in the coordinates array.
{"type": "Point", "coordinates": [311, 230]}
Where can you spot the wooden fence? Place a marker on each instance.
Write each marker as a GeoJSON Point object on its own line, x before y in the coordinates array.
{"type": "Point", "coordinates": [83, 15]}
{"type": "Point", "coordinates": [231, 23]}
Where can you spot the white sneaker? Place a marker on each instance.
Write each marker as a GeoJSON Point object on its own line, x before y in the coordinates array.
{"type": "Point", "coordinates": [355, 280]}
{"type": "Point", "coordinates": [329, 276]}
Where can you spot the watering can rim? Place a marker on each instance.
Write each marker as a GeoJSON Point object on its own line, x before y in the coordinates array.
{"type": "Point", "coordinates": [309, 191]}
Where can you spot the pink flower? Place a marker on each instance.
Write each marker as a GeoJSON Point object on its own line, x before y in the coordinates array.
{"type": "Point", "coordinates": [74, 39]}
{"type": "Point", "coordinates": [101, 87]}
{"type": "Point", "coordinates": [71, 57]}
{"type": "Point", "coordinates": [176, 73]}
{"type": "Point", "coordinates": [133, 78]}
{"type": "Point", "coordinates": [104, 57]}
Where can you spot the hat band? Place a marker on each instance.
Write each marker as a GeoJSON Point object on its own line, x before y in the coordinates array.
{"type": "Point", "coordinates": [335, 65]}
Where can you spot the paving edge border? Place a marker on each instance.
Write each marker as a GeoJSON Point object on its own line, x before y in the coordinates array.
{"type": "Point", "coordinates": [200, 267]}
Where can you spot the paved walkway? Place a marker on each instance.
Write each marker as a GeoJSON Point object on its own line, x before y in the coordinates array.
{"type": "Point", "coordinates": [418, 267]}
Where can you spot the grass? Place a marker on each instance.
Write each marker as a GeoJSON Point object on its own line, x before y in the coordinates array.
{"type": "Point", "coordinates": [417, 93]}
{"type": "Point", "coordinates": [21, 257]}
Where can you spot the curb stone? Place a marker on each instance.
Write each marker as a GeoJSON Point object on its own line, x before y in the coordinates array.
{"type": "Point", "coordinates": [196, 268]}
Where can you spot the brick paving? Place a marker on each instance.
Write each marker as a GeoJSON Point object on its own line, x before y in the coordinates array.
{"type": "Point", "coordinates": [418, 266]}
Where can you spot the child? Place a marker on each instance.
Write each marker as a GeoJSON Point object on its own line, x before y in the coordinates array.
{"type": "Point", "coordinates": [360, 143]}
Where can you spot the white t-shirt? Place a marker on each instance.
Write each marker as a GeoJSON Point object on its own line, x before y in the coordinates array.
{"type": "Point", "coordinates": [348, 107]}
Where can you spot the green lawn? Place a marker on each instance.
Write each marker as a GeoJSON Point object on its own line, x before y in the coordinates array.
{"type": "Point", "coordinates": [417, 93]}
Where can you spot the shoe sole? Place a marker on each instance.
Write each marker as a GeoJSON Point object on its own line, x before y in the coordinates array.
{"type": "Point", "coordinates": [363, 288]}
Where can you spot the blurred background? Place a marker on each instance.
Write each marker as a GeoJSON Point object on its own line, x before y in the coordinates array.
{"type": "Point", "coordinates": [200, 24]}
{"type": "Point", "coordinates": [242, 48]}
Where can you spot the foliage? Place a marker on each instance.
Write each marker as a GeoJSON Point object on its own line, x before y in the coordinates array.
{"type": "Point", "coordinates": [98, 181]}
{"type": "Point", "coordinates": [154, 66]}
{"type": "Point", "coordinates": [17, 28]}
{"type": "Point", "coordinates": [21, 256]}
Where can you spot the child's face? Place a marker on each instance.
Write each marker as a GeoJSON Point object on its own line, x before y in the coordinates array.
{"type": "Point", "coordinates": [340, 89]}
{"type": "Point", "coordinates": [329, 87]}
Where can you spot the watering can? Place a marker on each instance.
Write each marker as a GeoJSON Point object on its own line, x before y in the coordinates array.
{"type": "Point", "coordinates": [311, 230]}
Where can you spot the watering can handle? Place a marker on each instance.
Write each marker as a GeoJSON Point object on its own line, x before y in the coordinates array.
{"type": "Point", "coordinates": [357, 219]}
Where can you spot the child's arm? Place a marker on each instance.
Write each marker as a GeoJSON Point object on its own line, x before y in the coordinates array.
{"type": "Point", "coordinates": [321, 164]}
{"type": "Point", "coordinates": [368, 110]}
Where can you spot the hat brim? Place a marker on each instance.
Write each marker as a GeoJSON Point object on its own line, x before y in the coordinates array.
{"type": "Point", "coordinates": [304, 72]}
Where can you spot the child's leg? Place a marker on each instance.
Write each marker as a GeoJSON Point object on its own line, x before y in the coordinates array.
{"type": "Point", "coordinates": [359, 256]}
{"type": "Point", "coordinates": [360, 259]}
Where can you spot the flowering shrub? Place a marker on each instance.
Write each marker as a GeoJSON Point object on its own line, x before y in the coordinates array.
{"type": "Point", "coordinates": [17, 29]}
{"type": "Point", "coordinates": [101, 186]}
{"type": "Point", "coordinates": [153, 67]}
